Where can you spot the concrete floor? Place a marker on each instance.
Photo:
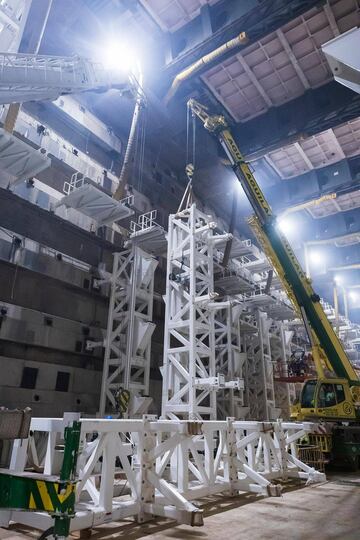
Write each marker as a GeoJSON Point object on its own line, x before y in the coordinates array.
{"type": "Point", "coordinates": [322, 512]}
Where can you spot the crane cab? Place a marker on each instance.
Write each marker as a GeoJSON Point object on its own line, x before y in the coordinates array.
{"type": "Point", "coordinates": [328, 399]}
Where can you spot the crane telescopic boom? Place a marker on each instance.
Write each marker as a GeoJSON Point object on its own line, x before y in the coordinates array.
{"type": "Point", "coordinates": [298, 286]}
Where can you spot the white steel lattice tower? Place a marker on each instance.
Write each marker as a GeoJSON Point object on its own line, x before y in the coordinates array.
{"type": "Point", "coordinates": [229, 360]}
{"type": "Point", "coordinates": [280, 342]}
{"type": "Point", "coordinates": [129, 330]}
{"type": "Point", "coordinates": [189, 375]}
{"type": "Point", "coordinates": [259, 382]}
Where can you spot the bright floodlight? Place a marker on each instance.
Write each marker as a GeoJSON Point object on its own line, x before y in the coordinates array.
{"type": "Point", "coordinates": [354, 296]}
{"type": "Point", "coordinates": [339, 280]}
{"type": "Point", "coordinates": [118, 55]}
{"type": "Point", "coordinates": [317, 258]}
{"type": "Point", "coordinates": [286, 225]}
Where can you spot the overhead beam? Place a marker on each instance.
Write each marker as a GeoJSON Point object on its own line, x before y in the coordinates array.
{"type": "Point", "coordinates": [254, 80]}
{"type": "Point", "coordinates": [331, 19]}
{"type": "Point", "coordinates": [303, 155]}
{"type": "Point", "coordinates": [286, 46]}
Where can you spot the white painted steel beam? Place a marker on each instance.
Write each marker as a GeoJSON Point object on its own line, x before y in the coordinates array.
{"type": "Point", "coordinates": [30, 77]}
{"type": "Point", "coordinates": [286, 46]}
{"type": "Point", "coordinates": [254, 80]}
{"type": "Point", "coordinates": [116, 479]}
{"type": "Point", "coordinates": [129, 329]}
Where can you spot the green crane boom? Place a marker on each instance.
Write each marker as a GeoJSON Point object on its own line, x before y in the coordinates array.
{"type": "Point", "coordinates": [297, 283]}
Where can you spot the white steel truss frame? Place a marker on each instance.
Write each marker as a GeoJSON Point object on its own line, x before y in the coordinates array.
{"type": "Point", "coordinates": [280, 344]}
{"type": "Point", "coordinates": [130, 327]}
{"type": "Point", "coordinates": [229, 360]}
{"type": "Point", "coordinates": [259, 379]}
{"type": "Point", "coordinates": [124, 466]}
{"type": "Point", "coordinates": [190, 381]}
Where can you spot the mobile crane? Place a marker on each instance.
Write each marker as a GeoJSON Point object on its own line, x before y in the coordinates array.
{"type": "Point", "coordinates": [334, 396]}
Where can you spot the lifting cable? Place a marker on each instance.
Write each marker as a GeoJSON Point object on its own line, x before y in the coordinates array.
{"type": "Point", "coordinates": [188, 197]}
{"type": "Point", "coordinates": [188, 194]}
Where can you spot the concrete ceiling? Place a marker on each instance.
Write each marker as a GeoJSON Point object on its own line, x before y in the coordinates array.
{"type": "Point", "coordinates": [322, 149]}
{"type": "Point", "coordinates": [341, 203]}
{"type": "Point", "coordinates": [283, 65]}
{"type": "Point", "coordinates": [173, 14]}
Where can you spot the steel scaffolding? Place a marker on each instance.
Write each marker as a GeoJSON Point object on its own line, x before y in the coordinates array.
{"type": "Point", "coordinates": [129, 330]}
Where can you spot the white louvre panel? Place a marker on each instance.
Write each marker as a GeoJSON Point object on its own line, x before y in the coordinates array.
{"type": "Point", "coordinates": [340, 204]}
{"type": "Point", "coordinates": [173, 14]}
{"type": "Point", "coordinates": [283, 65]}
{"type": "Point", "coordinates": [18, 160]}
{"type": "Point", "coordinates": [95, 204]}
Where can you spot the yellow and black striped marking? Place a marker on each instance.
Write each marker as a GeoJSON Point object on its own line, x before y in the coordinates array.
{"type": "Point", "coordinates": [123, 399]}
{"type": "Point", "coordinates": [26, 493]}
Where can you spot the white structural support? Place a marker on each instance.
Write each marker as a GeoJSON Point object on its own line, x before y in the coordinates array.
{"type": "Point", "coordinates": [259, 380]}
{"type": "Point", "coordinates": [13, 16]}
{"type": "Point", "coordinates": [229, 360]}
{"type": "Point", "coordinates": [130, 327]}
{"type": "Point", "coordinates": [31, 77]}
{"type": "Point", "coordinates": [148, 234]}
{"type": "Point", "coordinates": [190, 381]}
{"type": "Point", "coordinates": [343, 59]}
{"type": "Point", "coordinates": [18, 160]}
{"type": "Point", "coordinates": [124, 466]}
{"type": "Point", "coordinates": [280, 344]}
{"type": "Point", "coordinates": [93, 202]}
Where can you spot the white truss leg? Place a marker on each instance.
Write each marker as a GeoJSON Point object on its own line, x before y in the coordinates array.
{"type": "Point", "coordinates": [229, 361]}
{"type": "Point", "coordinates": [259, 371]}
{"type": "Point", "coordinates": [280, 342]}
{"type": "Point", "coordinates": [117, 479]}
{"type": "Point", "coordinates": [189, 376]}
{"type": "Point", "coordinates": [129, 331]}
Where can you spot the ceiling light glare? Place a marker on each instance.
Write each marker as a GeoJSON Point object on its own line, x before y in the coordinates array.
{"type": "Point", "coordinates": [120, 56]}
{"type": "Point", "coordinates": [286, 225]}
{"type": "Point", "coordinates": [317, 258]}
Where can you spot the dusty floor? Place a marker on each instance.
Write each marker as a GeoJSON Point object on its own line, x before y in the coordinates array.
{"type": "Point", "coordinates": [321, 512]}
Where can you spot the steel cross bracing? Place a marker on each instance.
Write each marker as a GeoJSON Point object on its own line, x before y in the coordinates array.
{"type": "Point", "coordinates": [209, 341]}
{"type": "Point", "coordinates": [124, 466]}
{"type": "Point", "coordinates": [280, 343]}
{"type": "Point", "coordinates": [229, 360]}
{"type": "Point", "coordinates": [130, 327]}
{"type": "Point", "coordinates": [259, 378]}
{"type": "Point", "coordinates": [31, 77]}
{"type": "Point", "coordinates": [190, 381]}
